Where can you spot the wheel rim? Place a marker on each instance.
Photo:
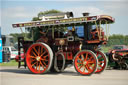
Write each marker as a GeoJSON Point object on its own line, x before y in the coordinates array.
{"type": "Point", "coordinates": [101, 61]}
{"type": "Point", "coordinates": [85, 63]}
{"type": "Point", "coordinates": [38, 58]}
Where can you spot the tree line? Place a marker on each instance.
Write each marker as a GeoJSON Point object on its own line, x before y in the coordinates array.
{"type": "Point", "coordinates": [117, 39]}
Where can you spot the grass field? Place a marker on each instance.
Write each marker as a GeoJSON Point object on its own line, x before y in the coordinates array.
{"type": "Point", "coordinates": [11, 63]}
{"type": "Point", "coordinates": [105, 49]}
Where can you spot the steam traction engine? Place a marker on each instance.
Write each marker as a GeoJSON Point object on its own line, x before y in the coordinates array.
{"type": "Point", "coordinates": [66, 41]}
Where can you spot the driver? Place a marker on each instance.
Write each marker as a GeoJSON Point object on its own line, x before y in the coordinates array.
{"type": "Point", "coordinates": [96, 32]}
{"type": "Point", "coordinates": [42, 37]}
{"type": "Point", "coordinates": [71, 32]}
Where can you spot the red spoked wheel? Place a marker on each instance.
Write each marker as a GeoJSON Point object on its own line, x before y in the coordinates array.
{"type": "Point", "coordinates": [102, 61]}
{"type": "Point", "coordinates": [85, 62]}
{"type": "Point", "coordinates": [39, 58]}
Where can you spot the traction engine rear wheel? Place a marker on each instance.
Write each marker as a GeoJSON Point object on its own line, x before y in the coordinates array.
{"type": "Point", "coordinates": [85, 62]}
{"type": "Point", "coordinates": [39, 58]}
{"type": "Point", "coordinates": [102, 61]}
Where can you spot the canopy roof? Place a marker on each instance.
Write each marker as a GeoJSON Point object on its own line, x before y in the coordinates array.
{"type": "Point", "coordinates": [69, 21]}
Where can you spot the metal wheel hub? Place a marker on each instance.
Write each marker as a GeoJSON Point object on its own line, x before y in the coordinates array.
{"type": "Point", "coordinates": [85, 62]}
{"type": "Point", "coordinates": [38, 58]}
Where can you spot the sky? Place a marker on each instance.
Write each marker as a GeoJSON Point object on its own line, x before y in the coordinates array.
{"type": "Point", "coordinates": [14, 11]}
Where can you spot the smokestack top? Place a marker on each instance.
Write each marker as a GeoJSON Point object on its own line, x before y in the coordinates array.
{"type": "Point", "coordinates": [86, 14]}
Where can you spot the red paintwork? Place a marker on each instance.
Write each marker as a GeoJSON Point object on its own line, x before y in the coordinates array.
{"type": "Point", "coordinates": [22, 57]}
{"type": "Point", "coordinates": [68, 55]}
{"type": "Point", "coordinates": [72, 47]}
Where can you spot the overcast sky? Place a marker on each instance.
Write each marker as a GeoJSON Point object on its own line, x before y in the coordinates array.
{"type": "Point", "coordinates": [14, 11]}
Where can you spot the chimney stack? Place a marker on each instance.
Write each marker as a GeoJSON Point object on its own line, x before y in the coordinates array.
{"type": "Point", "coordinates": [86, 14]}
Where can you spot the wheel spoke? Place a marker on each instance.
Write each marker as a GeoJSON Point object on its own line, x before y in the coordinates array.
{"type": "Point", "coordinates": [39, 50]}
{"type": "Point", "coordinates": [43, 53]}
{"type": "Point", "coordinates": [101, 61]}
{"type": "Point", "coordinates": [37, 65]}
{"type": "Point", "coordinates": [34, 63]}
{"type": "Point", "coordinates": [33, 60]}
{"type": "Point", "coordinates": [84, 69]}
{"type": "Point", "coordinates": [88, 68]}
{"type": "Point", "coordinates": [90, 59]}
{"type": "Point", "coordinates": [82, 56]}
{"type": "Point", "coordinates": [35, 51]}
{"type": "Point", "coordinates": [81, 66]}
{"type": "Point", "coordinates": [90, 65]}
{"type": "Point", "coordinates": [43, 59]}
{"type": "Point", "coordinates": [86, 56]}
{"type": "Point", "coordinates": [100, 58]}
{"type": "Point", "coordinates": [42, 65]}
{"type": "Point", "coordinates": [79, 63]}
{"type": "Point", "coordinates": [100, 65]}
{"type": "Point", "coordinates": [80, 59]}
{"type": "Point", "coordinates": [32, 57]}
{"type": "Point", "coordinates": [91, 62]}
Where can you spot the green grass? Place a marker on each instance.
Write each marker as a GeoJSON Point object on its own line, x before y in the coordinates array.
{"type": "Point", "coordinates": [105, 49]}
{"type": "Point", "coordinates": [11, 63]}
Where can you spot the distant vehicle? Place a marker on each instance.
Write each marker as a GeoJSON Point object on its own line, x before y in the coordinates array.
{"type": "Point", "coordinates": [119, 55]}
{"type": "Point", "coordinates": [120, 47]}
{"type": "Point", "coordinates": [13, 52]}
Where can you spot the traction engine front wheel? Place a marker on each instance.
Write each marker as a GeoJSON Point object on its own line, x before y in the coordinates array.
{"type": "Point", "coordinates": [59, 62]}
{"type": "Point", "coordinates": [85, 62]}
{"type": "Point", "coordinates": [39, 58]}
